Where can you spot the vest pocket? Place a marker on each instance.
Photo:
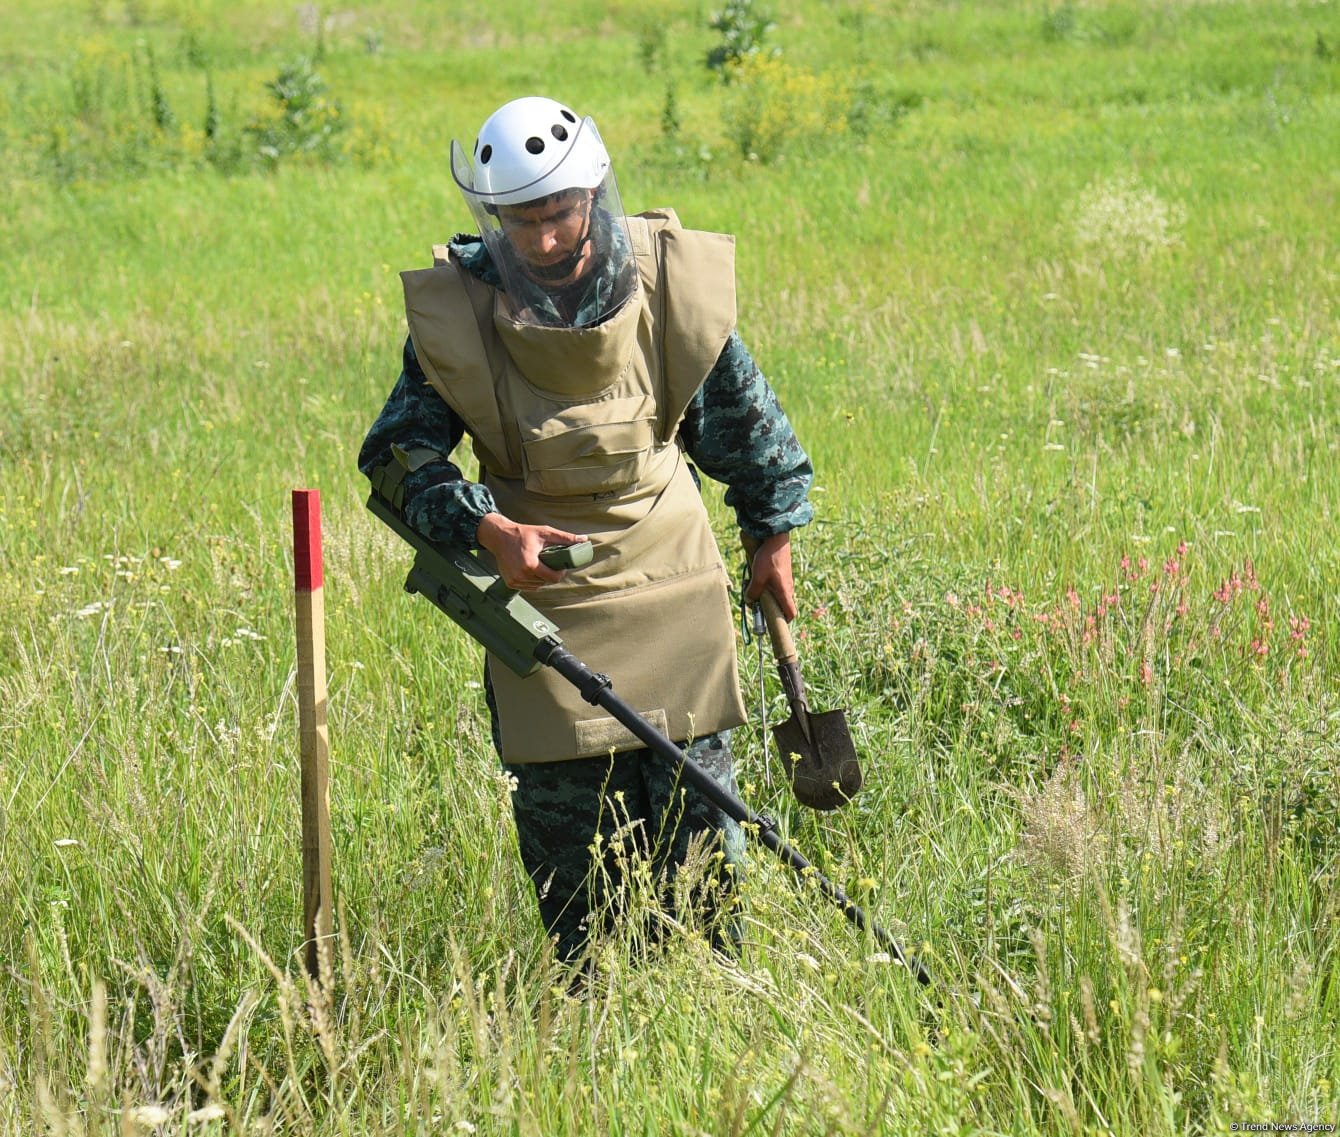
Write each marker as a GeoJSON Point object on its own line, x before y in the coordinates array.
{"type": "Point", "coordinates": [591, 448]}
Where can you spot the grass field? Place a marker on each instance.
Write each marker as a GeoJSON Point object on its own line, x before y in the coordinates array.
{"type": "Point", "coordinates": [1050, 293]}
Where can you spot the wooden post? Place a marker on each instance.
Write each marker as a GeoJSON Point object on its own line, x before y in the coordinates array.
{"type": "Point", "coordinates": [314, 740]}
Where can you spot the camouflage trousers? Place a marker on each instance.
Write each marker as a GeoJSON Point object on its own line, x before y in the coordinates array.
{"type": "Point", "coordinates": [596, 833]}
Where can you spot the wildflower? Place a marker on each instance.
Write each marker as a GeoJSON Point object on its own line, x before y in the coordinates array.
{"type": "Point", "coordinates": [211, 1112]}
{"type": "Point", "coordinates": [1146, 673]}
{"type": "Point", "coordinates": [1260, 647]}
{"type": "Point", "coordinates": [1120, 217]}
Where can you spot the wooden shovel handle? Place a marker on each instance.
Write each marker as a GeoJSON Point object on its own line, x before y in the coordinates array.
{"type": "Point", "coordinates": [779, 631]}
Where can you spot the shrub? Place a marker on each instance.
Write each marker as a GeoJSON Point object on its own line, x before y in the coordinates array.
{"type": "Point", "coordinates": [743, 29]}
{"type": "Point", "coordinates": [771, 105]}
{"type": "Point", "coordinates": [305, 120]}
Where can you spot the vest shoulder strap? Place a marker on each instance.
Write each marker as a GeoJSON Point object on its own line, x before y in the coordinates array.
{"type": "Point", "coordinates": [446, 307]}
{"type": "Point", "coordinates": [690, 277]}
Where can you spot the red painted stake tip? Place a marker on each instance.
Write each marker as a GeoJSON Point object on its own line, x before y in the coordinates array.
{"type": "Point", "coordinates": [307, 540]}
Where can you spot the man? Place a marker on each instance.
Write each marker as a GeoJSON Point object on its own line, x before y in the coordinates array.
{"type": "Point", "coordinates": [591, 356]}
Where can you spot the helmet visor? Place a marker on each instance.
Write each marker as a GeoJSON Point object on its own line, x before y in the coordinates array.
{"type": "Point", "coordinates": [564, 257]}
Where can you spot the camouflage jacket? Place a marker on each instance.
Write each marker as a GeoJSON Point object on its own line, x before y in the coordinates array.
{"type": "Point", "coordinates": [734, 430]}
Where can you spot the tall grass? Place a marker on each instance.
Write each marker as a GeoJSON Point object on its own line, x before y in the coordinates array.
{"type": "Point", "coordinates": [1052, 302]}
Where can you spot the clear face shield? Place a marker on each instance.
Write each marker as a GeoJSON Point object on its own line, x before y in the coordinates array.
{"type": "Point", "coordinates": [559, 242]}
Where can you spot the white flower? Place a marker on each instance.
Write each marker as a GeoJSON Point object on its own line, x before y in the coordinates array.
{"type": "Point", "coordinates": [1119, 217]}
{"type": "Point", "coordinates": [150, 1115]}
{"type": "Point", "coordinates": [211, 1112]}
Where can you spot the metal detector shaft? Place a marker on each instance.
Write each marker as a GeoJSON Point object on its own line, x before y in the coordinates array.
{"type": "Point", "coordinates": [596, 690]}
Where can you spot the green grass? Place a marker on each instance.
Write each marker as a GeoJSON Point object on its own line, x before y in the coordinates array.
{"type": "Point", "coordinates": [1058, 294]}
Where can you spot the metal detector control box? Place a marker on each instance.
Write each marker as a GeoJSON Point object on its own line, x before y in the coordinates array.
{"type": "Point", "coordinates": [473, 595]}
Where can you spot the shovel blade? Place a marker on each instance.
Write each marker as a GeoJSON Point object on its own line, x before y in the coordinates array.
{"type": "Point", "coordinates": [823, 769]}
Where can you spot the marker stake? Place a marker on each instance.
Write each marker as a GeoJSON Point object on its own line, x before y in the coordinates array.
{"type": "Point", "coordinates": [310, 610]}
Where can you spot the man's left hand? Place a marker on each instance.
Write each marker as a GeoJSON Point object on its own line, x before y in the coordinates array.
{"type": "Point", "coordinates": [771, 569]}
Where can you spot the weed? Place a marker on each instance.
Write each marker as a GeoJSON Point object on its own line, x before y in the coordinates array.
{"type": "Point", "coordinates": [743, 27]}
{"type": "Point", "coordinates": [305, 120]}
{"type": "Point", "coordinates": [772, 106]}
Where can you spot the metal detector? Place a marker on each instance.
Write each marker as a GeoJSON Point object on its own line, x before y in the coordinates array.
{"type": "Point", "coordinates": [520, 636]}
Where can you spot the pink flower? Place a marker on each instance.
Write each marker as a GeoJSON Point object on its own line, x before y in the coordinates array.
{"type": "Point", "coordinates": [1146, 673]}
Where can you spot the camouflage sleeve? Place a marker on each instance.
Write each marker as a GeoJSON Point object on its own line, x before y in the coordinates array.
{"type": "Point", "coordinates": [439, 502]}
{"type": "Point", "coordinates": [736, 432]}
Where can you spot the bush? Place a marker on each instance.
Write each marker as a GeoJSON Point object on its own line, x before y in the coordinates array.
{"type": "Point", "coordinates": [305, 120]}
{"type": "Point", "coordinates": [743, 29]}
{"type": "Point", "coordinates": [771, 105]}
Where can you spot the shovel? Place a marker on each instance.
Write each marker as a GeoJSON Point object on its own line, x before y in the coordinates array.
{"type": "Point", "coordinates": [817, 749]}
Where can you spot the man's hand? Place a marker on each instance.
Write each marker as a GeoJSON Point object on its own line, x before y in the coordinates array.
{"type": "Point", "coordinates": [517, 547]}
{"type": "Point", "coordinates": [771, 569]}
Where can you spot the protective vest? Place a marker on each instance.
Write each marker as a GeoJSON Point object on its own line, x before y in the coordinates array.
{"type": "Point", "coordinates": [576, 428]}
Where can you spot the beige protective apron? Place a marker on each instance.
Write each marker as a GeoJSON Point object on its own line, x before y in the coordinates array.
{"type": "Point", "coordinates": [576, 428]}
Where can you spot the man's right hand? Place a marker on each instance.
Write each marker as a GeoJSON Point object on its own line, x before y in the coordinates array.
{"type": "Point", "coordinates": [516, 548]}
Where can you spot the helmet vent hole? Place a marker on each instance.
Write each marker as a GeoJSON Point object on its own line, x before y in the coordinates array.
{"type": "Point", "coordinates": [567, 114]}
{"type": "Point", "coordinates": [535, 145]}
{"type": "Point", "coordinates": [486, 154]}
{"type": "Point", "coordinates": [559, 131]}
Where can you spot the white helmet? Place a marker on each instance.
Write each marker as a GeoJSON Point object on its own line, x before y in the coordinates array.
{"type": "Point", "coordinates": [530, 148]}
